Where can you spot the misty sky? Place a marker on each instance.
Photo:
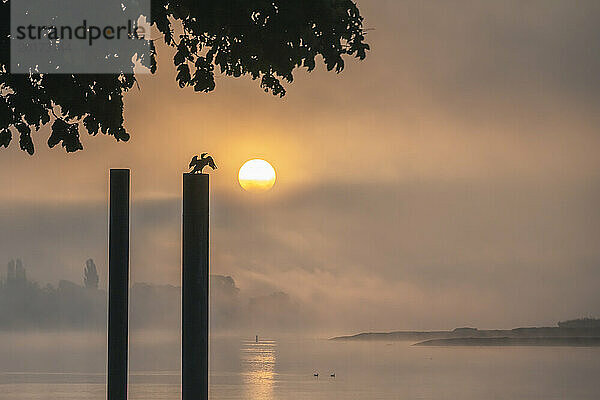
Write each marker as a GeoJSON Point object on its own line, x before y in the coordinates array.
{"type": "Point", "coordinates": [450, 179]}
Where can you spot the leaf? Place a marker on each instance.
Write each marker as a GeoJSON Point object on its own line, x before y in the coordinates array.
{"type": "Point", "coordinates": [183, 76]}
{"type": "Point", "coordinates": [204, 79]}
{"type": "Point", "coordinates": [59, 131]}
{"type": "Point", "coordinates": [25, 141]}
{"type": "Point", "coordinates": [270, 83]}
{"type": "Point", "coordinates": [179, 58]}
{"type": "Point", "coordinates": [121, 134]}
{"type": "Point", "coordinates": [91, 124]}
{"type": "Point", "coordinates": [67, 134]}
{"type": "Point", "coordinates": [153, 65]}
{"type": "Point", "coordinates": [5, 137]}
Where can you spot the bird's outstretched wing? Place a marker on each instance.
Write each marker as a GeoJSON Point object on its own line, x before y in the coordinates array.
{"type": "Point", "coordinates": [211, 162]}
{"type": "Point", "coordinates": [194, 161]}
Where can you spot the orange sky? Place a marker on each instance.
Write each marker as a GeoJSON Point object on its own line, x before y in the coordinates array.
{"type": "Point", "coordinates": [458, 161]}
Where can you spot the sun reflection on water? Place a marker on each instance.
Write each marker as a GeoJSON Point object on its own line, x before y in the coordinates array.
{"type": "Point", "coordinates": [258, 363]}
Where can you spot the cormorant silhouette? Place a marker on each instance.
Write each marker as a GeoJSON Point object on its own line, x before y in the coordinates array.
{"type": "Point", "coordinates": [198, 164]}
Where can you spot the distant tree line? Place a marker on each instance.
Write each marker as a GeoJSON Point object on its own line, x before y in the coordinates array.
{"type": "Point", "coordinates": [24, 304]}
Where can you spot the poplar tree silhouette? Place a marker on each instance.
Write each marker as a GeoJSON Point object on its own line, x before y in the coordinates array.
{"type": "Point", "coordinates": [90, 275]}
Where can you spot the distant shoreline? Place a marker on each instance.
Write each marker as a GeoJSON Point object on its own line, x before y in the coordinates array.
{"type": "Point", "coordinates": [508, 341]}
{"type": "Point", "coordinates": [535, 336]}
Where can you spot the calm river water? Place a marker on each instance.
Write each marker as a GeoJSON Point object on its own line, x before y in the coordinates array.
{"type": "Point", "coordinates": [284, 368]}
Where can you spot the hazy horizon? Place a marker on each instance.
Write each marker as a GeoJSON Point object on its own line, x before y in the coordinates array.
{"type": "Point", "coordinates": [156, 307]}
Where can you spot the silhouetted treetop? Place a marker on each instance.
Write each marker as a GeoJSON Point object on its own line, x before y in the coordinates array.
{"type": "Point", "coordinates": [266, 40]}
{"type": "Point", "coordinates": [90, 275]}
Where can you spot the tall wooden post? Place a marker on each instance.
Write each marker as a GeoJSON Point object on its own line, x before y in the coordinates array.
{"type": "Point", "coordinates": [118, 285]}
{"type": "Point", "coordinates": [194, 352]}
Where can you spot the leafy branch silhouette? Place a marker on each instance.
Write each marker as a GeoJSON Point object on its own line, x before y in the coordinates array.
{"type": "Point", "coordinates": [264, 39]}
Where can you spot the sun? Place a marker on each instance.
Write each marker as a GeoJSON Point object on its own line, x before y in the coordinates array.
{"type": "Point", "coordinates": [256, 175]}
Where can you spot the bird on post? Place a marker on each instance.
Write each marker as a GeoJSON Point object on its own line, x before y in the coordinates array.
{"type": "Point", "coordinates": [198, 164]}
